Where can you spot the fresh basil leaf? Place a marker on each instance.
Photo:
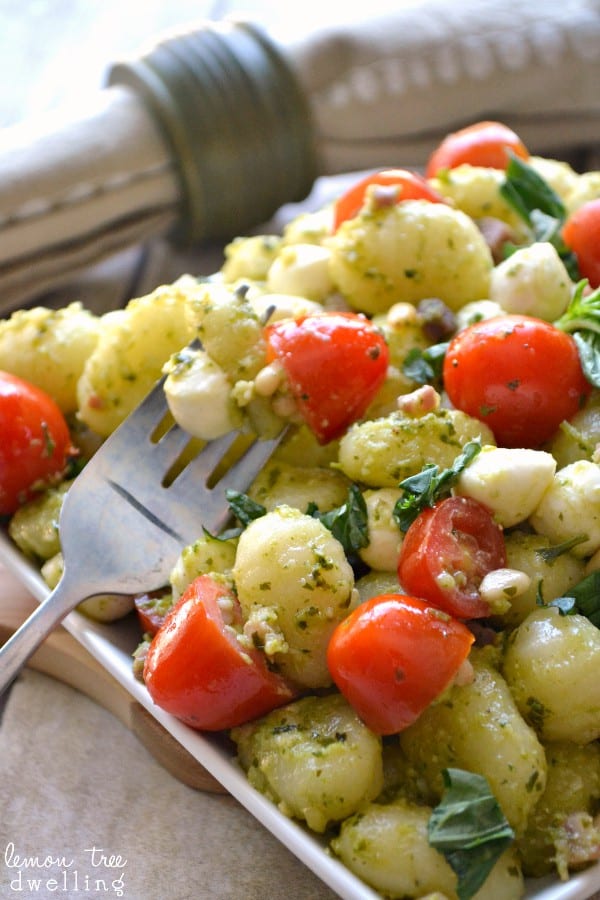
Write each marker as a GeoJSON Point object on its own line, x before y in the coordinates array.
{"type": "Point", "coordinates": [588, 348]}
{"type": "Point", "coordinates": [425, 366]}
{"type": "Point", "coordinates": [348, 522]}
{"type": "Point", "coordinates": [469, 828]}
{"type": "Point", "coordinates": [540, 207]}
{"type": "Point", "coordinates": [583, 311]}
{"type": "Point", "coordinates": [583, 599]}
{"type": "Point", "coordinates": [244, 508]}
{"type": "Point", "coordinates": [549, 229]}
{"type": "Point", "coordinates": [430, 485]}
{"type": "Point", "coordinates": [526, 191]}
{"type": "Point", "coordinates": [582, 319]}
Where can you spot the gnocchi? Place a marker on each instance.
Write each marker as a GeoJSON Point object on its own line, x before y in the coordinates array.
{"type": "Point", "coordinates": [523, 709]}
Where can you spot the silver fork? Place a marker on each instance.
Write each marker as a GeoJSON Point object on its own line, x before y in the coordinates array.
{"type": "Point", "coordinates": [126, 517]}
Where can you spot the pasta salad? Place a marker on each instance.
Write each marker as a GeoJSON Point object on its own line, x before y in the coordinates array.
{"type": "Point", "coordinates": [400, 631]}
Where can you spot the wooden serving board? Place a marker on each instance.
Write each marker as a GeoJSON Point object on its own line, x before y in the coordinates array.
{"type": "Point", "coordinates": [64, 658]}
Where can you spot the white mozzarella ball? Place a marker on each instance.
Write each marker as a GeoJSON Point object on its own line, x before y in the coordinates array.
{"type": "Point", "coordinates": [511, 483]}
{"type": "Point", "coordinates": [198, 395]}
{"type": "Point", "coordinates": [571, 507]}
{"type": "Point", "coordinates": [274, 307]}
{"type": "Point", "coordinates": [385, 538]}
{"type": "Point", "coordinates": [533, 281]}
{"type": "Point", "coordinates": [301, 269]}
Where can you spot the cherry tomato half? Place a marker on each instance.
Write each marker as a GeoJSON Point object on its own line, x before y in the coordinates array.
{"type": "Point", "coordinates": [581, 233]}
{"type": "Point", "coordinates": [35, 442]}
{"type": "Point", "coordinates": [482, 144]}
{"type": "Point", "coordinates": [518, 374]}
{"type": "Point", "coordinates": [393, 656]}
{"type": "Point", "coordinates": [151, 610]}
{"type": "Point", "coordinates": [411, 186]}
{"type": "Point", "coordinates": [446, 553]}
{"type": "Point", "coordinates": [335, 364]}
{"type": "Point", "coordinates": [198, 671]}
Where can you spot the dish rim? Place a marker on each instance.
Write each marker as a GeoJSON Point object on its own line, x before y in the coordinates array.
{"type": "Point", "coordinates": [100, 640]}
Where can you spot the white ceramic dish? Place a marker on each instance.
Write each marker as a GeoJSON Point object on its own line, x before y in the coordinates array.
{"type": "Point", "coordinates": [112, 645]}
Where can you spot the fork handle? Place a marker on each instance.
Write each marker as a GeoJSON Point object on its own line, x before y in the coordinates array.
{"type": "Point", "coordinates": [15, 653]}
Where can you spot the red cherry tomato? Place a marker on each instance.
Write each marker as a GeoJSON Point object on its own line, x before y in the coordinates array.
{"type": "Point", "coordinates": [393, 656]}
{"type": "Point", "coordinates": [518, 374]}
{"type": "Point", "coordinates": [411, 186]}
{"type": "Point", "coordinates": [151, 610]}
{"type": "Point", "coordinates": [335, 364]}
{"type": "Point", "coordinates": [35, 443]}
{"type": "Point", "coordinates": [447, 551]}
{"type": "Point", "coordinates": [482, 144]}
{"type": "Point", "coordinates": [198, 671]}
{"type": "Point", "coordinates": [581, 233]}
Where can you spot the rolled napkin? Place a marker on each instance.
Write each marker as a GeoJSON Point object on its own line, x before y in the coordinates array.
{"type": "Point", "coordinates": [386, 91]}
{"type": "Point", "coordinates": [211, 130]}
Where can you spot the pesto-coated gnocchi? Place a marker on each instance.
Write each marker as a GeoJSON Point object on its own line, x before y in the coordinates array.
{"type": "Point", "coordinates": [475, 191]}
{"type": "Point", "coordinates": [387, 845]}
{"type": "Point", "coordinates": [314, 758]}
{"type": "Point", "coordinates": [318, 535]}
{"type": "Point", "coordinates": [479, 727]}
{"type": "Point", "coordinates": [34, 527]}
{"type": "Point", "coordinates": [282, 484]}
{"type": "Point", "coordinates": [49, 347]}
{"type": "Point", "coordinates": [131, 350]}
{"type": "Point", "coordinates": [546, 656]}
{"type": "Point", "coordinates": [560, 829]}
{"type": "Point", "coordinates": [550, 575]}
{"type": "Point", "coordinates": [382, 452]}
{"type": "Point", "coordinates": [289, 565]}
{"type": "Point", "coordinates": [408, 252]}
{"type": "Point", "coordinates": [207, 554]}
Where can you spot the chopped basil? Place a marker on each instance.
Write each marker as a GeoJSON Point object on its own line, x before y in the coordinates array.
{"type": "Point", "coordinates": [244, 508]}
{"type": "Point", "coordinates": [348, 522]}
{"type": "Point", "coordinates": [526, 191]}
{"type": "Point", "coordinates": [429, 485]}
{"type": "Point", "coordinates": [582, 320]}
{"type": "Point", "coordinates": [540, 207]}
{"type": "Point", "coordinates": [425, 366]}
{"type": "Point", "coordinates": [583, 599]}
{"type": "Point", "coordinates": [469, 828]}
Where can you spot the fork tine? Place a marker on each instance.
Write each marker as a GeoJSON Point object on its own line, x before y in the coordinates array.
{"type": "Point", "coordinates": [199, 470]}
{"type": "Point", "coordinates": [169, 447]}
{"type": "Point", "coordinates": [240, 471]}
{"type": "Point", "coordinates": [144, 419]}
{"type": "Point", "coordinates": [193, 497]}
{"type": "Point", "coordinates": [243, 472]}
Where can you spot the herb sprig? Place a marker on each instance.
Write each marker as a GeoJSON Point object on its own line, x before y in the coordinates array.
{"type": "Point", "coordinates": [348, 522]}
{"type": "Point", "coordinates": [540, 207]}
{"type": "Point", "coordinates": [582, 319]}
{"type": "Point", "coordinates": [430, 485]}
{"type": "Point", "coordinates": [469, 828]}
{"type": "Point", "coordinates": [583, 599]}
{"type": "Point", "coordinates": [424, 366]}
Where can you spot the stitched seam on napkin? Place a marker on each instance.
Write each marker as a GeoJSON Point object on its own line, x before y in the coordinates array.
{"type": "Point", "coordinates": [38, 207]}
{"type": "Point", "coordinates": [476, 57]}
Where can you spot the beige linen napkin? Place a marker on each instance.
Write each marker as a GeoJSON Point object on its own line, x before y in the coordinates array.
{"type": "Point", "coordinates": [73, 779]}
{"type": "Point", "coordinates": [380, 91]}
{"type": "Point", "coordinates": [387, 91]}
